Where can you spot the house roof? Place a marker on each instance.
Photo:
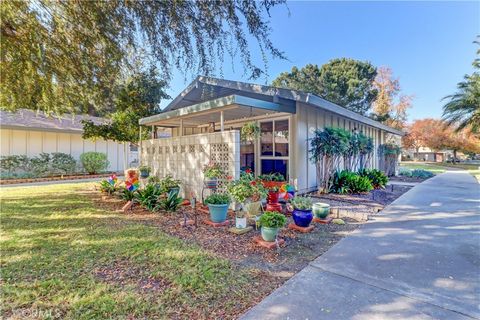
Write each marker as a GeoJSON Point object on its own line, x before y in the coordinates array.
{"type": "Point", "coordinates": [26, 119]}
{"type": "Point", "coordinates": [207, 88]}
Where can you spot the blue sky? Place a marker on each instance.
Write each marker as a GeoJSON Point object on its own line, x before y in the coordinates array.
{"type": "Point", "coordinates": [428, 45]}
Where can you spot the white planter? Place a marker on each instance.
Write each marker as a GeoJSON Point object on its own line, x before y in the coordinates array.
{"type": "Point", "coordinates": [241, 223]}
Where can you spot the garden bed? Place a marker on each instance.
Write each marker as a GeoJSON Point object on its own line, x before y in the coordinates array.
{"type": "Point", "coordinates": [54, 178]}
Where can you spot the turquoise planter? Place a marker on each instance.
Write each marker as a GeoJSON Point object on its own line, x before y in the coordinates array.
{"type": "Point", "coordinates": [269, 234]}
{"type": "Point", "coordinates": [218, 212]}
{"type": "Point", "coordinates": [321, 210]}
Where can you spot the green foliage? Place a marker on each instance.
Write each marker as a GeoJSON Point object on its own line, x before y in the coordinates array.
{"type": "Point", "coordinates": [168, 183]}
{"type": "Point", "coordinates": [250, 131]}
{"type": "Point", "coordinates": [171, 202]}
{"type": "Point", "coordinates": [389, 149]}
{"type": "Point", "coordinates": [145, 169]}
{"type": "Point", "coordinates": [218, 198]}
{"type": "Point", "coordinates": [463, 108]}
{"type": "Point", "coordinates": [302, 203]}
{"type": "Point", "coordinates": [377, 178]}
{"type": "Point", "coordinates": [62, 163]}
{"type": "Point", "coordinates": [148, 196]}
{"type": "Point", "coordinates": [94, 162]}
{"type": "Point", "coordinates": [416, 173]}
{"type": "Point", "coordinates": [329, 142]}
{"type": "Point", "coordinates": [62, 56]}
{"type": "Point", "coordinates": [245, 189]}
{"type": "Point", "coordinates": [346, 82]}
{"type": "Point", "coordinates": [349, 182]}
{"type": "Point", "coordinates": [278, 177]}
{"type": "Point", "coordinates": [137, 97]}
{"type": "Point", "coordinates": [39, 165]}
{"type": "Point", "coordinates": [107, 187]}
{"type": "Point", "coordinates": [153, 180]}
{"type": "Point", "coordinates": [271, 219]}
{"type": "Point", "coordinates": [126, 194]}
{"type": "Point", "coordinates": [212, 170]}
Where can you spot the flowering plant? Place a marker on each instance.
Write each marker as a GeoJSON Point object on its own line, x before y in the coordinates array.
{"type": "Point", "coordinates": [212, 170]}
{"type": "Point", "coordinates": [245, 189]}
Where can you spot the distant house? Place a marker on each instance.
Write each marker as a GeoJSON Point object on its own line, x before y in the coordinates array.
{"type": "Point", "coordinates": [29, 133]}
{"type": "Point", "coordinates": [427, 154]}
{"type": "Point", "coordinates": [203, 124]}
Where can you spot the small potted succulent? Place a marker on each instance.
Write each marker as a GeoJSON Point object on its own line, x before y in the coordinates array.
{"type": "Point", "coordinates": [321, 210]}
{"type": "Point", "coordinates": [144, 171]}
{"type": "Point", "coordinates": [271, 222]}
{"type": "Point", "coordinates": [212, 171]}
{"type": "Point", "coordinates": [218, 206]}
{"type": "Point", "coordinates": [302, 211]}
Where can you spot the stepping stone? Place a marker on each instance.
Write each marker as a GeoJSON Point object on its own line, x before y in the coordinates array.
{"type": "Point", "coordinates": [240, 231]}
{"type": "Point", "coordinates": [266, 244]}
{"type": "Point", "coordinates": [293, 226]}
{"type": "Point", "coordinates": [217, 224]}
{"type": "Point", "coordinates": [322, 221]}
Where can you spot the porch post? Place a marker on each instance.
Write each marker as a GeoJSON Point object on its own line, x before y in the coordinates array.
{"type": "Point", "coordinates": [181, 128]}
{"type": "Point", "coordinates": [140, 147]}
{"type": "Point", "coordinates": [222, 121]}
{"type": "Point", "coordinates": [153, 132]}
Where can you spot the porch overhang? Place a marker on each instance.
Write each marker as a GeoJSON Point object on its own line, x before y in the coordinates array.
{"type": "Point", "coordinates": [233, 106]}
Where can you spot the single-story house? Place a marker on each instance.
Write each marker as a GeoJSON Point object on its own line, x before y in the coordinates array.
{"type": "Point", "coordinates": [29, 133]}
{"type": "Point", "coordinates": [203, 124]}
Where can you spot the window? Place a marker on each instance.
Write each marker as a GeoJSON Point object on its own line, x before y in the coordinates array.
{"type": "Point", "coordinates": [274, 147]}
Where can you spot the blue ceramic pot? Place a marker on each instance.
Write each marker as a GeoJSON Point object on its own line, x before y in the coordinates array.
{"type": "Point", "coordinates": [269, 234]}
{"type": "Point", "coordinates": [218, 212]}
{"type": "Point", "coordinates": [302, 218]}
{"type": "Point", "coordinates": [144, 174]}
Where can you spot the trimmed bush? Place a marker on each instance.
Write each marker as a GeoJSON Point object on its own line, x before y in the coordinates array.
{"type": "Point", "coordinates": [62, 163]}
{"type": "Point", "coordinates": [422, 174]}
{"type": "Point", "coordinates": [94, 162]}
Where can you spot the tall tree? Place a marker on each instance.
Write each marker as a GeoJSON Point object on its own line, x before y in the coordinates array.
{"type": "Point", "coordinates": [346, 82]}
{"type": "Point", "coordinates": [390, 106]}
{"type": "Point", "coordinates": [65, 55]}
{"type": "Point", "coordinates": [137, 97]}
{"type": "Point", "coordinates": [463, 107]}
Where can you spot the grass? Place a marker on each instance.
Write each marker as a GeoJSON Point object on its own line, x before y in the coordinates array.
{"type": "Point", "coordinates": [437, 168]}
{"type": "Point", "coordinates": [63, 257]}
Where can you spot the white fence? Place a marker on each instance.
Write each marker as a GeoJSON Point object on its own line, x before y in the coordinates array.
{"type": "Point", "coordinates": [184, 157]}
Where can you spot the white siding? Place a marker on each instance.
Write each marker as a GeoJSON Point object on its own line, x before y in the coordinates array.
{"type": "Point", "coordinates": [32, 143]}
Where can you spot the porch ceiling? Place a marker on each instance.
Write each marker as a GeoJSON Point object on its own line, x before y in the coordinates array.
{"type": "Point", "coordinates": [234, 107]}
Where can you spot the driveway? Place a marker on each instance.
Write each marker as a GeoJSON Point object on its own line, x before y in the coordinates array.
{"type": "Point", "coordinates": [419, 259]}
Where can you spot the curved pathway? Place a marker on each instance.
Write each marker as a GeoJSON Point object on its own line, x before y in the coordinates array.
{"type": "Point", "coordinates": [418, 259]}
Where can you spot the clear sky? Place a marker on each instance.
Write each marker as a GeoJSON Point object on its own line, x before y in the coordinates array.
{"type": "Point", "coordinates": [428, 45]}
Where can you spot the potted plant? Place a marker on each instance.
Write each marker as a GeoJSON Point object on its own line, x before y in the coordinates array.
{"type": "Point", "coordinates": [250, 131]}
{"type": "Point", "coordinates": [248, 193]}
{"type": "Point", "coordinates": [218, 206]}
{"type": "Point", "coordinates": [144, 171]}
{"type": "Point", "coordinates": [272, 180]}
{"type": "Point", "coordinates": [302, 211]}
{"type": "Point", "coordinates": [271, 222]}
{"type": "Point", "coordinates": [321, 210]}
{"type": "Point", "coordinates": [212, 171]}
{"type": "Point", "coordinates": [168, 184]}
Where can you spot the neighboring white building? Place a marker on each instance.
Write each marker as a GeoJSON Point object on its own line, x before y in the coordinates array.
{"type": "Point", "coordinates": [29, 133]}
{"type": "Point", "coordinates": [205, 119]}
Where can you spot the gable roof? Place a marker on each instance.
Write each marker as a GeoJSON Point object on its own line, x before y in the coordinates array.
{"type": "Point", "coordinates": [26, 119]}
{"type": "Point", "coordinates": [206, 88]}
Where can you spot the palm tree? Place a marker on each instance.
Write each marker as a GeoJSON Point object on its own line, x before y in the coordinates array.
{"type": "Point", "coordinates": [463, 107]}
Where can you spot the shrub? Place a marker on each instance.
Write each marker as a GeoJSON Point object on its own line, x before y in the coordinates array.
{"type": "Point", "coordinates": [62, 163]}
{"type": "Point", "coordinates": [218, 198]}
{"type": "Point", "coordinates": [9, 163]}
{"type": "Point", "coordinates": [148, 197]}
{"type": "Point", "coordinates": [40, 165]}
{"type": "Point", "coordinates": [272, 219]}
{"type": "Point", "coordinates": [349, 182]}
{"type": "Point", "coordinates": [107, 187]}
{"type": "Point", "coordinates": [94, 162]}
{"type": "Point", "coordinates": [171, 202]}
{"type": "Point", "coordinates": [168, 183]}
{"type": "Point", "coordinates": [127, 195]}
{"type": "Point", "coordinates": [422, 174]}
{"type": "Point", "coordinates": [376, 177]}
{"type": "Point", "coordinates": [405, 172]}
{"type": "Point", "coordinates": [301, 203]}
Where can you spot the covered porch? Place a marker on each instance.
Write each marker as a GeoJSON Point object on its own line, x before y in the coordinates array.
{"type": "Point", "coordinates": [201, 122]}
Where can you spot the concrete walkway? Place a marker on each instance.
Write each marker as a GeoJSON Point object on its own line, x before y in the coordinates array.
{"type": "Point", "coordinates": [419, 259]}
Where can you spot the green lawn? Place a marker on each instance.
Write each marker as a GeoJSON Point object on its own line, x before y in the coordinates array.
{"type": "Point", "coordinates": [442, 167]}
{"type": "Point", "coordinates": [64, 258]}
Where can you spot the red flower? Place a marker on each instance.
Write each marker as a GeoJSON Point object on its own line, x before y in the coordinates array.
{"type": "Point", "coordinates": [253, 183]}
{"type": "Point", "coordinates": [229, 177]}
{"type": "Point", "coordinates": [248, 171]}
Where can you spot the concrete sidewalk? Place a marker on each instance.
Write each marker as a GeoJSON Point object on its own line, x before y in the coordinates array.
{"type": "Point", "coordinates": [418, 259]}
